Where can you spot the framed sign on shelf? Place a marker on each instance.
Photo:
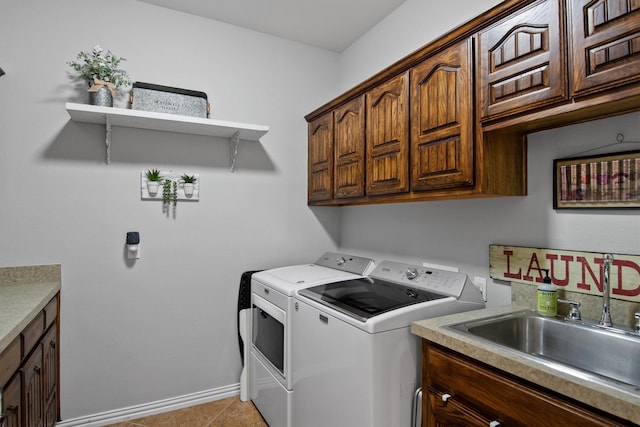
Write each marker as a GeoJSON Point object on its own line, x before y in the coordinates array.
{"type": "Point", "coordinates": [602, 181]}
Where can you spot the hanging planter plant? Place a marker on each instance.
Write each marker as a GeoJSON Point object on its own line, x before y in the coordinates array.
{"type": "Point", "coordinates": [169, 192]}
{"type": "Point", "coordinates": [169, 186]}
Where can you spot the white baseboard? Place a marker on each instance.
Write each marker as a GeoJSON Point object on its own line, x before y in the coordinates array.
{"type": "Point", "coordinates": [152, 408]}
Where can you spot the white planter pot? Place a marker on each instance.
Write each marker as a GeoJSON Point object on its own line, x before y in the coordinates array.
{"type": "Point", "coordinates": [152, 187]}
{"type": "Point", "coordinates": [188, 189]}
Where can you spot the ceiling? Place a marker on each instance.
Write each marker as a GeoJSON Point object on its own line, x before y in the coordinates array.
{"type": "Point", "coordinates": [328, 24]}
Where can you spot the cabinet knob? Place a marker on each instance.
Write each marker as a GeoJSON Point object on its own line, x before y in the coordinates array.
{"type": "Point", "coordinates": [446, 397]}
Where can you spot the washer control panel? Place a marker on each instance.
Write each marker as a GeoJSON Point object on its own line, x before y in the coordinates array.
{"type": "Point", "coordinates": [439, 281]}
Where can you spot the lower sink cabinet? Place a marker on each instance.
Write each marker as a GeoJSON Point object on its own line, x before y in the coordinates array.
{"type": "Point", "coordinates": [463, 392]}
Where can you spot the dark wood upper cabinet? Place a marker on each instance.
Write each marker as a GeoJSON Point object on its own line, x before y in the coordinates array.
{"type": "Point", "coordinates": [449, 121]}
{"type": "Point", "coordinates": [605, 44]}
{"type": "Point", "coordinates": [349, 141]}
{"type": "Point", "coordinates": [521, 61]}
{"type": "Point", "coordinates": [442, 120]}
{"type": "Point", "coordinates": [388, 137]}
{"type": "Point", "coordinates": [320, 168]}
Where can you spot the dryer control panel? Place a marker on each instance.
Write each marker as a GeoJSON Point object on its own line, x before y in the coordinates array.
{"type": "Point", "coordinates": [349, 263]}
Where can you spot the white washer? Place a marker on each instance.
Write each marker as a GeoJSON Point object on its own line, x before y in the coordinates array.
{"type": "Point", "coordinates": [355, 361]}
{"type": "Point", "coordinates": [271, 346]}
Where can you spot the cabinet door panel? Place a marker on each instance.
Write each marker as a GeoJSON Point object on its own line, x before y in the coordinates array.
{"type": "Point", "coordinates": [12, 404]}
{"type": "Point", "coordinates": [349, 149]}
{"type": "Point", "coordinates": [605, 44]}
{"type": "Point", "coordinates": [445, 412]}
{"type": "Point", "coordinates": [521, 61]}
{"type": "Point", "coordinates": [50, 376]}
{"type": "Point", "coordinates": [388, 137]}
{"type": "Point", "coordinates": [32, 396]}
{"type": "Point", "coordinates": [320, 173]}
{"type": "Point", "coordinates": [442, 120]}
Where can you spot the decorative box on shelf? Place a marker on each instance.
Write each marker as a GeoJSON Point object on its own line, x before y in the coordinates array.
{"type": "Point", "coordinates": [169, 100]}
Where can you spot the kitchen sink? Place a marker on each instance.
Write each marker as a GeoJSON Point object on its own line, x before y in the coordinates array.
{"type": "Point", "coordinates": [594, 352]}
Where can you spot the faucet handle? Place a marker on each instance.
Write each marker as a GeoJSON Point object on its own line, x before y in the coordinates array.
{"type": "Point", "coordinates": [574, 311]}
{"type": "Point", "coordinates": [636, 328]}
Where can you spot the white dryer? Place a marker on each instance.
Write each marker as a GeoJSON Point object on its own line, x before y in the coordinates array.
{"type": "Point", "coordinates": [271, 346]}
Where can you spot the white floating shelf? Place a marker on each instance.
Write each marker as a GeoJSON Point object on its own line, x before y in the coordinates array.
{"type": "Point", "coordinates": [111, 116]}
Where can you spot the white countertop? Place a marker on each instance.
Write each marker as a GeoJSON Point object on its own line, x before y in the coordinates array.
{"type": "Point", "coordinates": [24, 292]}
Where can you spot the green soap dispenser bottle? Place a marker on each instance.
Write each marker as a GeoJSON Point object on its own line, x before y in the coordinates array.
{"type": "Point", "coordinates": [547, 297]}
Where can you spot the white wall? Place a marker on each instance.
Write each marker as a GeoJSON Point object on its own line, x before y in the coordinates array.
{"type": "Point", "coordinates": [459, 232]}
{"type": "Point", "coordinates": [164, 327]}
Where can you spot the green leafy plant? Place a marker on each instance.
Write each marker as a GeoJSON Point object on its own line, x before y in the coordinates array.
{"type": "Point", "coordinates": [189, 179]}
{"type": "Point", "coordinates": [169, 193]}
{"type": "Point", "coordinates": [174, 195]}
{"type": "Point", "coordinates": [97, 64]}
{"type": "Point", "coordinates": [166, 192]}
{"type": "Point", "coordinates": [153, 175]}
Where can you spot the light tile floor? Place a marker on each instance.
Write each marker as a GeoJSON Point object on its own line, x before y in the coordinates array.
{"type": "Point", "coordinates": [230, 412]}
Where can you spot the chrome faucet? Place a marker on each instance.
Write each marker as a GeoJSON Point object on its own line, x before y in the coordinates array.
{"type": "Point", "coordinates": [605, 319]}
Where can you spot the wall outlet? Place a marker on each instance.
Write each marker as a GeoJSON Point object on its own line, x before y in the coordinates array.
{"type": "Point", "coordinates": [481, 284]}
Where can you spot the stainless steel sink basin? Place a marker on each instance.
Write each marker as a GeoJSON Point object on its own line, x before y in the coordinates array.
{"type": "Point", "coordinates": [603, 352]}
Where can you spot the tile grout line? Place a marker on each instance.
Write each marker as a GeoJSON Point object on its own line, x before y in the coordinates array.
{"type": "Point", "coordinates": [231, 401]}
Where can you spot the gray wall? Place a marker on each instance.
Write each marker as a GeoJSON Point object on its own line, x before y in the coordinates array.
{"type": "Point", "coordinates": [164, 327]}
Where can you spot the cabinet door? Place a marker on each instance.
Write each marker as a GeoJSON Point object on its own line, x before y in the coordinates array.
{"type": "Point", "coordinates": [320, 173]}
{"type": "Point", "coordinates": [444, 411]}
{"type": "Point", "coordinates": [521, 61]}
{"type": "Point", "coordinates": [605, 44]}
{"type": "Point", "coordinates": [349, 144]}
{"type": "Point", "coordinates": [11, 404]}
{"type": "Point", "coordinates": [442, 120]}
{"type": "Point", "coordinates": [50, 376]}
{"type": "Point", "coordinates": [388, 137]}
{"type": "Point", "coordinates": [32, 397]}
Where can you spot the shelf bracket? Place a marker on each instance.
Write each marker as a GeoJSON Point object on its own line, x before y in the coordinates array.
{"type": "Point", "coordinates": [234, 141]}
{"type": "Point", "coordinates": [108, 138]}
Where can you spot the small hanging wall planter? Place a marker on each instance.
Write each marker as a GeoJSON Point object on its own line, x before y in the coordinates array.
{"type": "Point", "coordinates": [170, 188]}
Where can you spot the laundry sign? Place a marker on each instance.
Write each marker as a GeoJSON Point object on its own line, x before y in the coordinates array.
{"type": "Point", "coordinates": [571, 270]}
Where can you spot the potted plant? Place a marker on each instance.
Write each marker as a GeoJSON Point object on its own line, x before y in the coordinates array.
{"type": "Point", "coordinates": [153, 181]}
{"type": "Point", "coordinates": [103, 74]}
{"type": "Point", "coordinates": [187, 184]}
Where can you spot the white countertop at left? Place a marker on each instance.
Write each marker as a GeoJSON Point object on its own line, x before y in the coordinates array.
{"type": "Point", "coordinates": [24, 292]}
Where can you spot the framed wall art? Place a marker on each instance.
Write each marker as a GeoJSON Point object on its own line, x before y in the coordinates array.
{"type": "Point", "coordinates": [602, 181]}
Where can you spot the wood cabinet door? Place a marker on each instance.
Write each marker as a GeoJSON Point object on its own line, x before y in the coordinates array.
{"type": "Point", "coordinates": [50, 376]}
{"type": "Point", "coordinates": [522, 61]}
{"type": "Point", "coordinates": [349, 145]}
{"type": "Point", "coordinates": [605, 44]}
{"type": "Point", "coordinates": [11, 404]}
{"type": "Point", "coordinates": [32, 396]}
{"type": "Point", "coordinates": [442, 120]}
{"type": "Point", "coordinates": [320, 168]}
{"type": "Point", "coordinates": [388, 137]}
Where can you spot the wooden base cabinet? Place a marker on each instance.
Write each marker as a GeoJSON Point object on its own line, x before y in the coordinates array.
{"type": "Point", "coordinates": [463, 392]}
{"type": "Point", "coordinates": [30, 396]}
